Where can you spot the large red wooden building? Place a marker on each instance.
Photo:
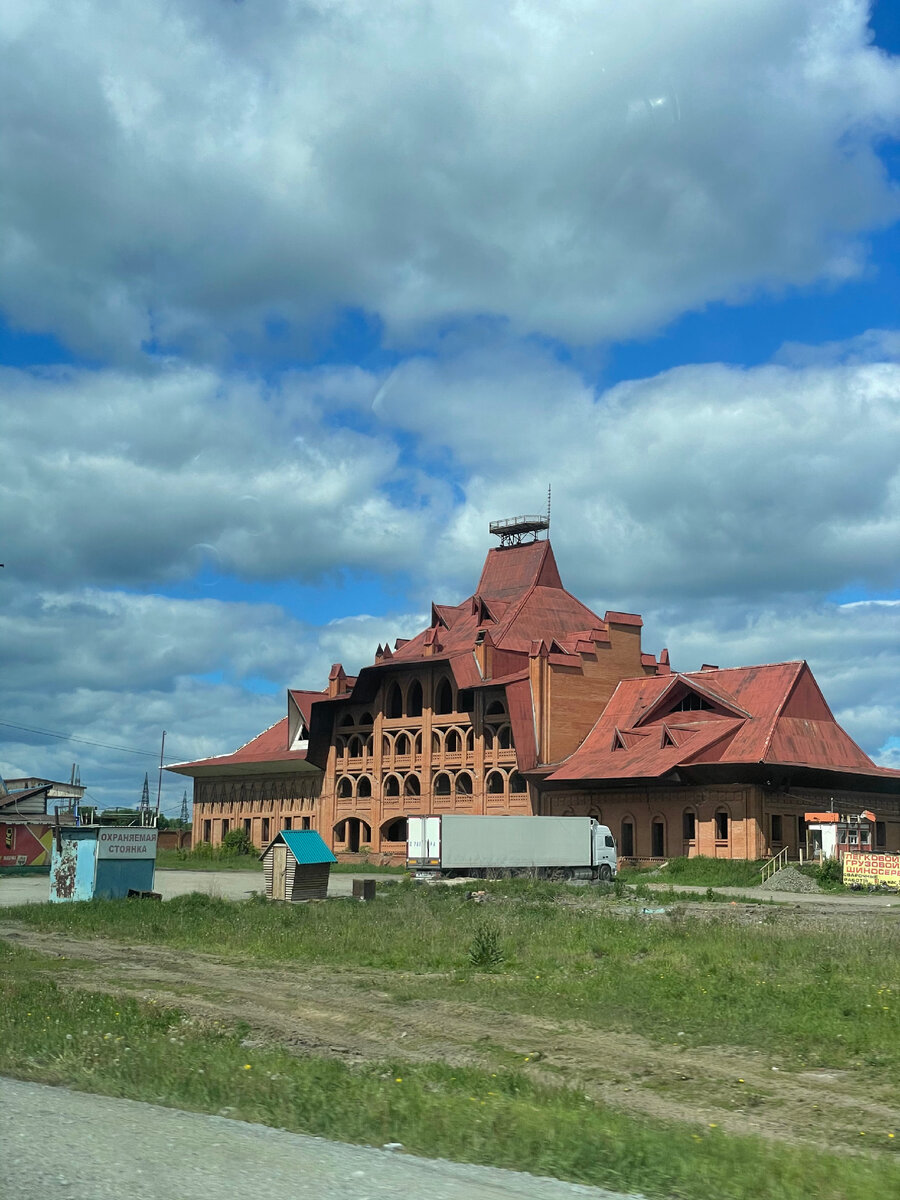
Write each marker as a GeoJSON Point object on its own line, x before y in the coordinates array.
{"type": "Point", "coordinates": [522, 700]}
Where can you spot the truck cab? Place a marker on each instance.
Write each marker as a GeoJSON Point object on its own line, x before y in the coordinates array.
{"type": "Point", "coordinates": [603, 851]}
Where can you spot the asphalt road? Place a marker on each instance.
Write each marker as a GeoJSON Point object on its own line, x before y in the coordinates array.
{"type": "Point", "coordinates": [62, 1145]}
{"type": "Point", "coordinates": [230, 885]}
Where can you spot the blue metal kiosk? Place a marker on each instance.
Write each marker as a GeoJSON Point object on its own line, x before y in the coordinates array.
{"type": "Point", "coordinates": [104, 861]}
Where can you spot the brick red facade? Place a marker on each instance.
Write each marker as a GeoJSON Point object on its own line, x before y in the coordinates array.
{"type": "Point", "coordinates": [522, 700]}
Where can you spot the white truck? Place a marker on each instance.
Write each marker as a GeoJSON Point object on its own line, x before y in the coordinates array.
{"type": "Point", "coordinates": [550, 847]}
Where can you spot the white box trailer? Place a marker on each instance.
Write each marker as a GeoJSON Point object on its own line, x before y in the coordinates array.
{"type": "Point", "coordinates": [560, 847]}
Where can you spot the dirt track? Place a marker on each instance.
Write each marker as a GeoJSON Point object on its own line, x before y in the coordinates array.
{"type": "Point", "coordinates": [362, 1015]}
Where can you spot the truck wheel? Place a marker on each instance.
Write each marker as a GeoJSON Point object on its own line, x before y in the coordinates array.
{"type": "Point", "coordinates": [605, 873]}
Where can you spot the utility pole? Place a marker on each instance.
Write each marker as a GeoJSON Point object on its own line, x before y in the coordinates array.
{"type": "Point", "coordinates": [162, 751]}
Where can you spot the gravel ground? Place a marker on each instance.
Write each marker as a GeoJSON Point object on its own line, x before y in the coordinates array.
{"type": "Point", "coordinates": [789, 879]}
{"type": "Point", "coordinates": [230, 885]}
{"type": "Point", "coordinates": [66, 1145]}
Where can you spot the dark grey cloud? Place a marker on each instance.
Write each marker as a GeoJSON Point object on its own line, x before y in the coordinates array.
{"type": "Point", "coordinates": [181, 173]}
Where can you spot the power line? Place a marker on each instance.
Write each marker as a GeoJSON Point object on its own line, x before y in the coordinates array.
{"type": "Point", "coordinates": [70, 737]}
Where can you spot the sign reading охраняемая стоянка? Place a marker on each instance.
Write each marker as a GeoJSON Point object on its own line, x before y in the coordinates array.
{"type": "Point", "coordinates": [871, 870]}
{"type": "Point", "coordinates": [127, 842]}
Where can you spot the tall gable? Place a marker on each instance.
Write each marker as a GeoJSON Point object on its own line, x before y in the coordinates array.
{"type": "Point", "coordinates": [509, 571]}
{"type": "Point", "coordinates": [806, 702]}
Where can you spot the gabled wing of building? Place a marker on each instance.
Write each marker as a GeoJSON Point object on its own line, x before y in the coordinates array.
{"type": "Point", "coordinates": [727, 723]}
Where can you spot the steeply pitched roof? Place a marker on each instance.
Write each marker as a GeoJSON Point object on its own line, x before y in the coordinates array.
{"type": "Point", "coordinates": [519, 598]}
{"type": "Point", "coordinates": [267, 748]}
{"type": "Point", "coordinates": [772, 715]}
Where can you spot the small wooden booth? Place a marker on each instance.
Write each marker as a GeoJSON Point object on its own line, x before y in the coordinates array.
{"type": "Point", "coordinates": [297, 864]}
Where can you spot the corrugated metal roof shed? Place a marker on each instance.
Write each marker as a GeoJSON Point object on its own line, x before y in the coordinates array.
{"type": "Point", "coordinates": [306, 846]}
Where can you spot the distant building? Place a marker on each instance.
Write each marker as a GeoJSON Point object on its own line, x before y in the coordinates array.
{"type": "Point", "coordinates": [27, 815]}
{"type": "Point", "coordinates": [521, 699]}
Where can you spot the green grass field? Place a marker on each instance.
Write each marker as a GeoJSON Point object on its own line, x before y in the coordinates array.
{"type": "Point", "coordinates": [122, 1047]}
{"type": "Point", "coordinates": [817, 996]}
{"type": "Point", "coordinates": [698, 872]}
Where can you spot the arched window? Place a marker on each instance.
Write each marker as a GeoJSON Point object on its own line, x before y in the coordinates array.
{"type": "Point", "coordinates": [401, 745]}
{"type": "Point", "coordinates": [437, 742]}
{"type": "Point", "coordinates": [345, 787]}
{"type": "Point", "coordinates": [340, 746]}
{"type": "Point", "coordinates": [369, 747]}
{"type": "Point", "coordinates": [393, 704]}
{"type": "Point", "coordinates": [364, 787]}
{"type": "Point", "coordinates": [489, 732]}
{"type": "Point", "coordinates": [347, 719]}
{"type": "Point", "coordinates": [392, 786]}
{"type": "Point", "coordinates": [395, 831]}
{"type": "Point", "coordinates": [441, 785]}
{"type": "Point", "coordinates": [414, 699]}
{"type": "Point", "coordinates": [505, 737]}
{"type": "Point", "coordinates": [387, 745]}
{"type": "Point", "coordinates": [517, 783]}
{"type": "Point", "coordinates": [411, 786]}
{"type": "Point", "coordinates": [443, 697]}
{"type": "Point", "coordinates": [495, 782]}
{"type": "Point", "coordinates": [464, 784]}
{"type": "Point", "coordinates": [365, 719]}
{"type": "Point", "coordinates": [453, 742]}
{"type": "Point", "coordinates": [470, 740]}
{"type": "Point", "coordinates": [417, 744]}
{"type": "Point", "coordinates": [355, 746]}
{"type": "Point", "coordinates": [340, 831]}
{"type": "Point", "coordinates": [495, 706]}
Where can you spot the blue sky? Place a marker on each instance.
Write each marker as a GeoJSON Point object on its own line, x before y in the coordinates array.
{"type": "Point", "coordinates": [291, 308]}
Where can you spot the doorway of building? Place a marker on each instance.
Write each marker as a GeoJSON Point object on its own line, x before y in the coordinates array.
{"type": "Point", "coordinates": [626, 842]}
{"type": "Point", "coordinates": [658, 839]}
{"type": "Point", "coordinates": [358, 834]}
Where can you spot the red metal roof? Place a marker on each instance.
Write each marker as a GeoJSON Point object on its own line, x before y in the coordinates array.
{"type": "Point", "coordinates": [520, 598]}
{"type": "Point", "coordinates": [270, 746]}
{"type": "Point", "coordinates": [773, 714]}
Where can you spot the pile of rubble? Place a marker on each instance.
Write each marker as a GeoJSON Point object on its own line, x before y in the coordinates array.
{"type": "Point", "coordinates": [789, 879]}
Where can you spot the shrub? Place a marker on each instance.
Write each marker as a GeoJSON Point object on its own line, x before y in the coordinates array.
{"type": "Point", "coordinates": [485, 951]}
{"type": "Point", "coordinates": [829, 873]}
{"type": "Point", "coordinates": [235, 842]}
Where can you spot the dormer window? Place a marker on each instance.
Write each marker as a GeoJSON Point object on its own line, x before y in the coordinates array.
{"type": "Point", "coordinates": [693, 702]}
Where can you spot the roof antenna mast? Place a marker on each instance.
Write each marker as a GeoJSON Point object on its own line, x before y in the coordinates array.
{"type": "Point", "coordinates": [549, 487]}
